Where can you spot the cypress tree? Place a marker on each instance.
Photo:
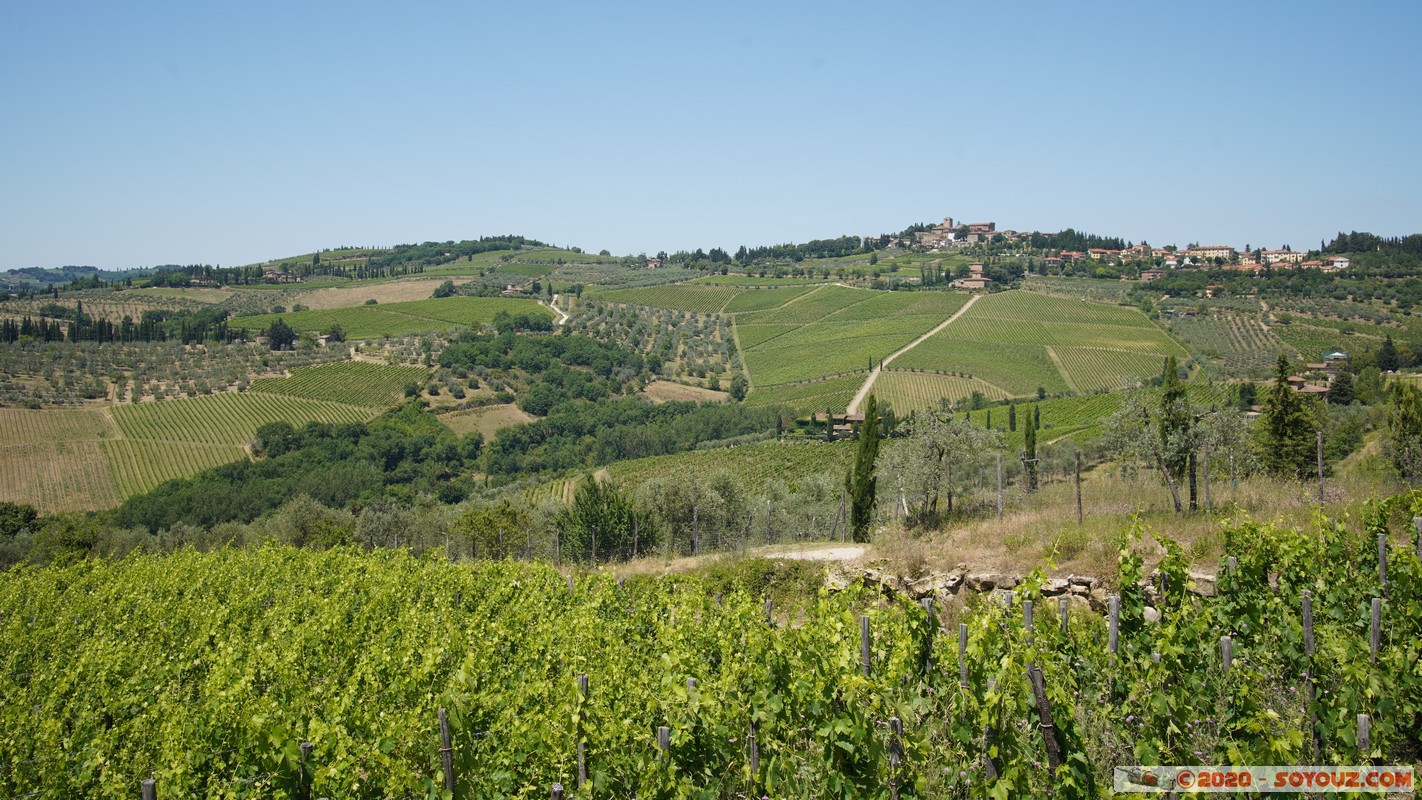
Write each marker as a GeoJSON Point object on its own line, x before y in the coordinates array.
{"type": "Point", "coordinates": [1287, 435]}
{"type": "Point", "coordinates": [1012, 416]}
{"type": "Point", "coordinates": [861, 483]}
{"type": "Point", "coordinates": [1388, 360]}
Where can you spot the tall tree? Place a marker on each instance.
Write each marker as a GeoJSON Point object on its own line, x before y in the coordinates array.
{"type": "Point", "coordinates": [1404, 429]}
{"type": "Point", "coordinates": [861, 480]}
{"type": "Point", "coordinates": [1174, 422]}
{"type": "Point", "coordinates": [1388, 360]}
{"type": "Point", "coordinates": [1286, 438]}
{"type": "Point", "coordinates": [1012, 416]}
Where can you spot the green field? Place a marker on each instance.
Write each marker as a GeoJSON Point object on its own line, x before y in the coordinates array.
{"type": "Point", "coordinates": [359, 383]}
{"type": "Point", "coordinates": [365, 322]}
{"type": "Point", "coordinates": [833, 331]}
{"type": "Point", "coordinates": [139, 466]}
{"type": "Point", "coordinates": [1020, 341]}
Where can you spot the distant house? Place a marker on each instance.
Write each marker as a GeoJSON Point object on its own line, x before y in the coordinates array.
{"type": "Point", "coordinates": [1337, 263]}
{"type": "Point", "coordinates": [1212, 290]}
{"type": "Point", "coordinates": [1051, 262]}
{"type": "Point", "coordinates": [1152, 274]}
{"type": "Point", "coordinates": [653, 263]}
{"type": "Point", "coordinates": [975, 280]}
{"type": "Point", "coordinates": [1214, 251]}
{"type": "Point", "coordinates": [1281, 257]}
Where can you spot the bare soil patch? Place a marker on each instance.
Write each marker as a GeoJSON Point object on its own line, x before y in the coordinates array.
{"type": "Point", "coordinates": [668, 391]}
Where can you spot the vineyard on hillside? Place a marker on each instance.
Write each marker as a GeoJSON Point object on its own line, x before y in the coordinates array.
{"type": "Point", "coordinates": [811, 397]}
{"type": "Point", "coordinates": [1022, 341]}
{"type": "Point", "coordinates": [359, 383]}
{"type": "Point", "coordinates": [390, 319]}
{"type": "Point", "coordinates": [206, 672]}
{"type": "Point", "coordinates": [139, 465]}
{"type": "Point", "coordinates": [833, 331]}
{"type": "Point", "coordinates": [907, 391]}
{"type": "Point", "coordinates": [1230, 345]}
{"type": "Point", "coordinates": [227, 418]}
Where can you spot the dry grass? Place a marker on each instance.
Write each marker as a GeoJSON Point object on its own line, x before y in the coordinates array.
{"type": "Point", "coordinates": [390, 292]}
{"type": "Point", "coordinates": [487, 420]}
{"type": "Point", "coordinates": [668, 391]}
{"type": "Point", "coordinates": [1041, 529]}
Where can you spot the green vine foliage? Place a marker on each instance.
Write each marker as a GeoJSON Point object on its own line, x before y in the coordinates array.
{"type": "Point", "coordinates": [207, 670]}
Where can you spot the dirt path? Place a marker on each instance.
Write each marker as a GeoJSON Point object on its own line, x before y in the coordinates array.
{"type": "Point", "coordinates": [874, 374]}
{"type": "Point", "coordinates": [823, 554]}
{"type": "Point", "coordinates": [553, 306]}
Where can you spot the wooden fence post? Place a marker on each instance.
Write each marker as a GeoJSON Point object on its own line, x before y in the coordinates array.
{"type": "Point", "coordinates": [582, 746]}
{"type": "Point", "coordinates": [557, 792]}
{"type": "Point", "coordinates": [1364, 740]}
{"type": "Point", "coordinates": [1226, 652]}
{"type": "Point", "coordinates": [927, 604]}
{"type": "Point", "coordinates": [767, 522]}
{"type": "Point", "coordinates": [1078, 487]}
{"type": "Point", "coordinates": [962, 655]}
{"type": "Point", "coordinates": [1382, 561]}
{"type": "Point", "coordinates": [1027, 618]}
{"type": "Point", "coordinates": [1208, 506]}
{"type": "Point", "coordinates": [1320, 467]}
{"type": "Point", "coordinates": [770, 612]}
{"type": "Point", "coordinates": [149, 789]}
{"type": "Point", "coordinates": [1055, 756]}
{"type": "Point", "coordinates": [754, 751]}
{"type": "Point", "coordinates": [663, 742]}
{"type": "Point", "coordinates": [1375, 628]}
{"type": "Point", "coordinates": [305, 789]}
{"type": "Point", "coordinates": [1310, 687]}
{"type": "Point", "coordinates": [446, 752]}
{"type": "Point", "coordinates": [1113, 630]}
{"type": "Point", "coordinates": [570, 584]}
{"type": "Point", "coordinates": [1064, 604]}
{"type": "Point", "coordinates": [1417, 523]}
{"type": "Point", "coordinates": [896, 755]}
{"type": "Point", "coordinates": [999, 485]}
{"type": "Point", "coordinates": [989, 739]}
{"type": "Point", "coordinates": [864, 644]}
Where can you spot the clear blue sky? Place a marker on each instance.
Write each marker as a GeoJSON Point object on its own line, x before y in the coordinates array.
{"type": "Point", "coordinates": [146, 133]}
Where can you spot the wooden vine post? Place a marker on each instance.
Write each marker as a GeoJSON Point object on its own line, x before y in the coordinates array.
{"type": "Point", "coordinates": [1382, 562]}
{"type": "Point", "coordinates": [1310, 685]}
{"type": "Point", "coordinates": [963, 655]}
{"type": "Point", "coordinates": [865, 644]}
{"type": "Point", "coordinates": [927, 604]}
{"type": "Point", "coordinates": [446, 752]}
{"type": "Point", "coordinates": [896, 755]}
{"type": "Point", "coordinates": [582, 745]}
{"type": "Point", "coordinates": [1055, 757]}
{"type": "Point", "coordinates": [305, 769]}
{"type": "Point", "coordinates": [663, 742]}
{"type": "Point", "coordinates": [149, 789]}
{"type": "Point", "coordinates": [1064, 604]}
{"type": "Point", "coordinates": [1375, 629]}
